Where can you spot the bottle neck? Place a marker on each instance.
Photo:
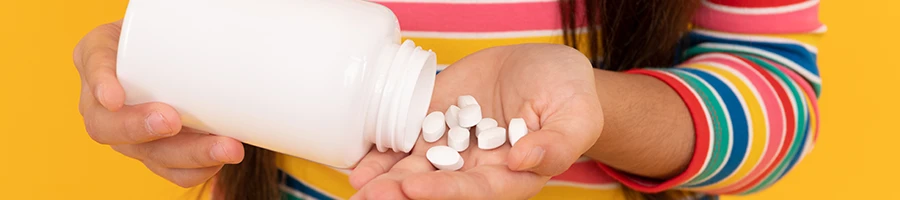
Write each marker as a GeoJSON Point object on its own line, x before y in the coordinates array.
{"type": "Point", "coordinates": [404, 82]}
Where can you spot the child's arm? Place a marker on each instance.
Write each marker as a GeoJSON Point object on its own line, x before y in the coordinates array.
{"type": "Point", "coordinates": [749, 84]}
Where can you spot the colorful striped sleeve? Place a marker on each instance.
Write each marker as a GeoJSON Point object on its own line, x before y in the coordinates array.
{"type": "Point", "coordinates": [751, 83]}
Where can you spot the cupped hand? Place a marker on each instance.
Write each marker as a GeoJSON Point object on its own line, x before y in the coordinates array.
{"type": "Point", "coordinates": [150, 132]}
{"type": "Point", "coordinates": [550, 86]}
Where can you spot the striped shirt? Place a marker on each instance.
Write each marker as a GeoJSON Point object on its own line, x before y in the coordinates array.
{"type": "Point", "coordinates": [750, 82]}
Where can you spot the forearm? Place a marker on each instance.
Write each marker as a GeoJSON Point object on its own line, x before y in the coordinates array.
{"type": "Point", "coordinates": [648, 130]}
{"type": "Point", "coordinates": [738, 112]}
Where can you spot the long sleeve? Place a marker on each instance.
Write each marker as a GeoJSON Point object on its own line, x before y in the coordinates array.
{"type": "Point", "coordinates": [750, 81]}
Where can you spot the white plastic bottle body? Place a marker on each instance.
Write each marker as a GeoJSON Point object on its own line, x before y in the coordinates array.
{"type": "Point", "coordinates": [314, 79]}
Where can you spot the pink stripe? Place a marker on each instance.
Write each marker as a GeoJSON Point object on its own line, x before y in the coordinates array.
{"type": "Point", "coordinates": [801, 21]}
{"type": "Point", "coordinates": [477, 17]}
{"type": "Point", "coordinates": [585, 173]}
{"type": "Point", "coordinates": [774, 110]}
{"type": "Point", "coordinates": [776, 119]}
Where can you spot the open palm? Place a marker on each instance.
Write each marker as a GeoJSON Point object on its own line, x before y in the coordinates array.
{"type": "Point", "coordinates": [550, 86]}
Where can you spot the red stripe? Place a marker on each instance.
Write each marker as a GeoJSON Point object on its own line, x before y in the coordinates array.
{"type": "Point", "coordinates": [585, 173]}
{"type": "Point", "coordinates": [756, 3]}
{"type": "Point", "coordinates": [701, 146]}
{"type": "Point", "coordinates": [480, 17]}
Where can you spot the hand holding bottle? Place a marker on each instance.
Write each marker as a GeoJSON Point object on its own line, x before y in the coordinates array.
{"type": "Point", "coordinates": [551, 86]}
{"type": "Point", "coordinates": [150, 132]}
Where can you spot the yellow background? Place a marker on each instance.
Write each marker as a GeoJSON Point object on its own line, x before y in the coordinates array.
{"type": "Point", "coordinates": [45, 153]}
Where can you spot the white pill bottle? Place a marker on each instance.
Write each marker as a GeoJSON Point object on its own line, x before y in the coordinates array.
{"type": "Point", "coordinates": [323, 80]}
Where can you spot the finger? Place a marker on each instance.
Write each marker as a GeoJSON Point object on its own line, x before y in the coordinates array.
{"type": "Point", "coordinates": [372, 165]}
{"type": "Point", "coordinates": [131, 124]}
{"type": "Point", "coordinates": [187, 150]}
{"type": "Point", "coordinates": [482, 182]}
{"type": "Point", "coordinates": [414, 163]}
{"type": "Point", "coordinates": [95, 59]}
{"type": "Point", "coordinates": [185, 177]}
{"type": "Point", "coordinates": [387, 185]}
{"type": "Point", "coordinates": [384, 187]}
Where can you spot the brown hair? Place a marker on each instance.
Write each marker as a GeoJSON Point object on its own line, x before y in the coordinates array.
{"type": "Point", "coordinates": [635, 33]}
{"type": "Point", "coordinates": [255, 178]}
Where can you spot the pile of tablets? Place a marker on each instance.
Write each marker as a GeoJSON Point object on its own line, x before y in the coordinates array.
{"type": "Point", "coordinates": [460, 119]}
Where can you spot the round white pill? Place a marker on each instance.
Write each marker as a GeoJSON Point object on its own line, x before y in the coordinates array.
{"type": "Point", "coordinates": [433, 127]}
{"type": "Point", "coordinates": [458, 139]}
{"type": "Point", "coordinates": [517, 130]}
{"type": "Point", "coordinates": [491, 138]}
{"type": "Point", "coordinates": [452, 116]}
{"type": "Point", "coordinates": [466, 100]}
{"type": "Point", "coordinates": [469, 116]}
{"type": "Point", "coordinates": [444, 158]}
{"type": "Point", "coordinates": [485, 124]}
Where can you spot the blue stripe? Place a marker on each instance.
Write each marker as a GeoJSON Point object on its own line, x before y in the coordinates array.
{"type": "Point", "coordinates": [739, 121]}
{"type": "Point", "coordinates": [709, 197]}
{"type": "Point", "coordinates": [793, 52]}
{"type": "Point", "coordinates": [295, 184]}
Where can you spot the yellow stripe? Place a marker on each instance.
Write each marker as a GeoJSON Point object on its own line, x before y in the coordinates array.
{"type": "Point", "coordinates": [326, 179]}
{"type": "Point", "coordinates": [451, 50]}
{"type": "Point", "coordinates": [806, 38]}
{"type": "Point", "coordinates": [812, 119]}
{"type": "Point", "coordinates": [567, 192]}
{"type": "Point", "coordinates": [758, 121]}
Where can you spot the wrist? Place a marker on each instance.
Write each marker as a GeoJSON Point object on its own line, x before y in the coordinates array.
{"type": "Point", "coordinates": [647, 129]}
{"type": "Point", "coordinates": [610, 145]}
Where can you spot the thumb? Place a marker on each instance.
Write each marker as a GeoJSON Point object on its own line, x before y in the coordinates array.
{"type": "Point", "coordinates": [544, 152]}
{"type": "Point", "coordinates": [95, 59]}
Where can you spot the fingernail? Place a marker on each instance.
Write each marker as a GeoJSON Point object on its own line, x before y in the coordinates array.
{"type": "Point", "coordinates": [98, 93]}
{"type": "Point", "coordinates": [156, 124]}
{"type": "Point", "coordinates": [218, 152]}
{"type": "Point", "coordinates": [532, 159]}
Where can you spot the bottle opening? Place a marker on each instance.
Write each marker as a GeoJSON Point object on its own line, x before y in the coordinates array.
{"type": "Point", "coordinates": [420, 99]}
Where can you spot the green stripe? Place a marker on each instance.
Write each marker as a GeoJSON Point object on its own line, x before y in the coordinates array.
{"type": "Point", "coordinates": [801, 109]}
{"type": "Point", "coordinates": [720, 123]}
